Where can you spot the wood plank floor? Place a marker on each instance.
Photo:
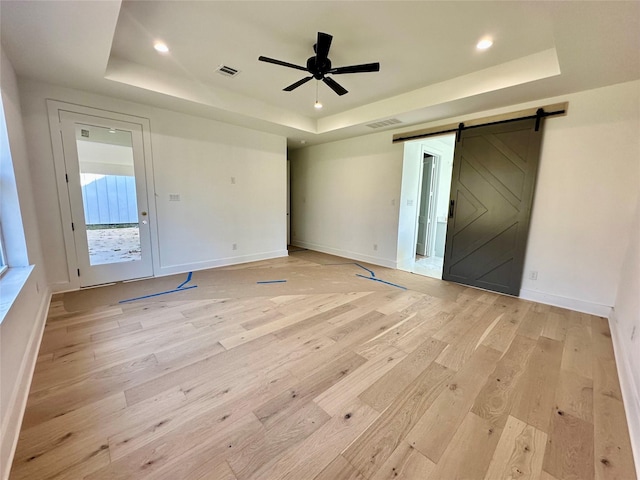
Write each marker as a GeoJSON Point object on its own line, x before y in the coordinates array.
{"type": "Point", "coordinates": [327, 376]}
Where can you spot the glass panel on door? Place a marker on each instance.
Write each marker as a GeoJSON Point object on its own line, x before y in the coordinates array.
{"type": "Point", "coordinates": [107, 179]}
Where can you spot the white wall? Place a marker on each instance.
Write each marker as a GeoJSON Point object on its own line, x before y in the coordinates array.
{"type": "Point", "coordinates": [625, 329]}
{"type": "Point", "coordinates": [193, 157]}
{"type": "Point", "coordinates": [232, 185]}
{"type": "Point", "coordinates": [585, 197]}
{"type": "Point", "coordinates": [586, 191]}
{"type": "Point", "coordinates": [344, 198]}
{"type": "Point", "coordinates": [21, 328]}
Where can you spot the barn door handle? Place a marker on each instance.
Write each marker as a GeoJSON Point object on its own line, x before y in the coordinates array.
{"type": "Point", "coordinates": [452, 205]}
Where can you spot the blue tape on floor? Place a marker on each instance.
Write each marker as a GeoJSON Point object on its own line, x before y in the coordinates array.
{"type": "Point", "coordinates": [273, 281]}
{"type": "Point", "coordinates": [157, 294]}
{"type": "Point", "coordinates": [186, 281]}
{"type": "Point", "coordinates": [371, 272]}
{"type": "Point", "coordinates": [365, 268]}
{"type": "Point", "coordinates": [381, 281]}
{"type": "Point", "coordinates": [179, 288]}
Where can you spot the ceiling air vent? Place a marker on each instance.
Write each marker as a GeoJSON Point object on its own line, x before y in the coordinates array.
{"type": "Point", "coordinates": [227, 71]}
{"type": "Point", "coordinates": [384, 123]}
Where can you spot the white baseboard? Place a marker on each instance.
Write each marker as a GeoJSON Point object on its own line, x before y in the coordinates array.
{"type": "Point", "coordinates": [630, 391]}
{"type": "Point", "coordinates": [18, 402]}
{"type": "Point", "coordinates": [566, 302]}
{"type": "Point", "coordinates": [383, 262]}
{"type": "Point", "coordinates": [221, 262]}
{"type": "Point", "coordinates": [63, 287]}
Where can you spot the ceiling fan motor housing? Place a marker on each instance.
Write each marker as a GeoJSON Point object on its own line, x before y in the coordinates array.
{"type": "Point", "coordinates": [318, 71]}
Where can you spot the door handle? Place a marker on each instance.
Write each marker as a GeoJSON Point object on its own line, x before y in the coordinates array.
{"type": "Point", "coordinates": [144, 214]}
{"type": "Point", "coordinates": [452, 205]}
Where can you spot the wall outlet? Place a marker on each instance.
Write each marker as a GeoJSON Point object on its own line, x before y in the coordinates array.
{"type": "Point", "coordinates": [234, 246]}
{"type": "Point", "coordinates": [375, 247]}
{"type": "Point", "coordinates": [533, 275]}
{"type": "Point", "coordinates": [174, 197]}
{"type": "Point", "coordinates": [410, 202]}
{"type": "Point", "coordinates": [233, 180]}
{"type": "Point", "coordinates": [393, 201]}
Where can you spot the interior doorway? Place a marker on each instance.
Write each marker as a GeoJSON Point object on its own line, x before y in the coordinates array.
{"type": "Point", "coordinates": [427, 261]}
{"type": "Point", "coordinates": [426, 181]}
{"type": "Point", "coordinates": [426, 204]}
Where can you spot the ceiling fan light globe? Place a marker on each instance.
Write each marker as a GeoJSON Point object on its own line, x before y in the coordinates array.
{"type": "Point", "coordinates": [484, 44]}
{"type": "Point", "coordinates": [161, 47]}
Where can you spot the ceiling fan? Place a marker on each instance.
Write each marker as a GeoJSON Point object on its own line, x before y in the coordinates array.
{"type": "Point", "coordinates": [320, 65]}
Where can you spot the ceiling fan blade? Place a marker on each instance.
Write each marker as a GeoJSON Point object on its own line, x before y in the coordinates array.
{"type": "Point", "coordinates": [335, 86]}
{"type": "Point", "coordinates": [297, 84]}
{"type": "Point", "coordinates": [281, 63]}
{"type": "Point", "coordinates": [365, 67]}
{"type": "Point", "coordinates": [322, 47]}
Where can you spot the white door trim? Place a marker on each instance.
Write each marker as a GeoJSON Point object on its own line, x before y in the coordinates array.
{"type": "Point", "coordinates": [54, 108]}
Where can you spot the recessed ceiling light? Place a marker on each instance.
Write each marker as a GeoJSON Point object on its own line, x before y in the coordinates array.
{"type": "Point", "coordinates": [484, 44]}
{"type": "Point", "coordinates": [161, 47]}
{"type": "Point", "coordinates": [111, 130]}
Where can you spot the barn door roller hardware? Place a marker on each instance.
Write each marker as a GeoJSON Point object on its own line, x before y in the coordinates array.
{"type": "Point", "coordinates": [538, 114]}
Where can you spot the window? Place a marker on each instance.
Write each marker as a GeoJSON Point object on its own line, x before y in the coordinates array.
{"type": "Point", "coordinates": [7, 183]}
{"type": "Point", "coordinates": [7, 189]}
{"type": "Point", "coordinates": [3, 256]}
{"type": "Point", "coordinates": [14, 263]}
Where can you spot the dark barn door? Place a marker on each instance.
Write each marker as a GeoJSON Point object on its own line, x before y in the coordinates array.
{"type": "Point", "coordinates": [494, 174]}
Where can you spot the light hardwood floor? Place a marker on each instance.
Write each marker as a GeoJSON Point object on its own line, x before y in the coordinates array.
{"type": "Point", "coordinates": [327, 376]}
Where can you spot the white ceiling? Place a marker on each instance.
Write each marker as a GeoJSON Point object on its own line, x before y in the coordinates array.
{"type": "Point", "coordinates": [430, 68]}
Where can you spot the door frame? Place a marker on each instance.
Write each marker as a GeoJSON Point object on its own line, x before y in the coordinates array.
{"type": "Point", "coordinates": [54, 109]}
{"type": "Point", "coordinates": [412, 156]}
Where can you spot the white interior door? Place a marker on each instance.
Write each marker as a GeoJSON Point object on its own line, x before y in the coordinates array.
{"type": "Point", "coordinates": [104, 162]}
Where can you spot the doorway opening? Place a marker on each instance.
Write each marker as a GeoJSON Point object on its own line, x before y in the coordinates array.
{"type": "Point", "coordinates": [426, 182]}
{"type": "Point", "coordinates": [428, 261]}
